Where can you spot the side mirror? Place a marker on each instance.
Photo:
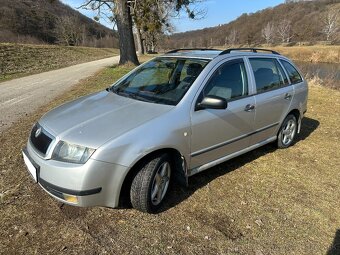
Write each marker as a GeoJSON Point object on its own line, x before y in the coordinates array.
{"type": "Point", "coordinates": [212, 102]}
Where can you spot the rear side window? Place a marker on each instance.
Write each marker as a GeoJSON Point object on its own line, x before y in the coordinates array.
{"type": "Point", "coordinates": [229, 81]}
{"type": "Point", "coordinates": [293, 74]}
{"type": "Point", "coordinates": [268, 74]}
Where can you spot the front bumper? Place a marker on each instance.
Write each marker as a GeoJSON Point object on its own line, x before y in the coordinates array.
{"type": "Point", "coordinates": [94, 183]}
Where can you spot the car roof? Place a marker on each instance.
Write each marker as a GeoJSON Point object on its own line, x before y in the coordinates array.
{"type": "Point", "coordinates": [204, 54]}
{"type": "Point", "coordinates": [213, 53]}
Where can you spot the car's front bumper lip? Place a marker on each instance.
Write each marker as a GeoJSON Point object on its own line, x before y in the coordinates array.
{"type": "Point", "coordinates": [50, 187]}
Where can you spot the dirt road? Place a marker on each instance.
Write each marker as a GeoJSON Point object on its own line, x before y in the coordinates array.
{"type": "Point", "coordinates": [23, 96]}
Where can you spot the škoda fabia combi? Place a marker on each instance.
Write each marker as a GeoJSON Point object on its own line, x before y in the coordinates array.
{"type": "Point", "coordinates": [170, 118]}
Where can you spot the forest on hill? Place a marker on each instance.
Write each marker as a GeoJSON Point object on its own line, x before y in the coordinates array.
{"type": "Point", "coordinates": [52, 22]}
{"type": "Point", "coordinates": [293, 22]}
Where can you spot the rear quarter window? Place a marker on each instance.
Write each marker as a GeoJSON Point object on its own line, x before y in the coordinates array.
{"type": "Point", "coordinates": [293, 74]}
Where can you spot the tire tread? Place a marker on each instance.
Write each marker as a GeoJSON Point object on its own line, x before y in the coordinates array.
{"type": "Point", "coordinates": [140, 188]}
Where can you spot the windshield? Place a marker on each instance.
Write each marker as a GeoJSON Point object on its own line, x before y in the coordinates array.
{"type": "Point", "coordinates": [161, 80]}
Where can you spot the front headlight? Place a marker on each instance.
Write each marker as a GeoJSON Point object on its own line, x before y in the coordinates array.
{"type": "Point", "coordinates": [71, 153]}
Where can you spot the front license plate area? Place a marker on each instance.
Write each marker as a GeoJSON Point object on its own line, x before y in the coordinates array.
{"type": "Point", "coordinates": [31, 168]}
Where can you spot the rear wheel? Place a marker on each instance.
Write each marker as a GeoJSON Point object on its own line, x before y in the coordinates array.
{"type": "Point", "coordinates": [287, 132]}
{"type": "Point", "coordinates": [150, 185]}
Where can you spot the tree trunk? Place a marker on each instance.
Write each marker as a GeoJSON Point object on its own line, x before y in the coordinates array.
{"type": "Point", "coordinates": [126, 41]}
{"type": "Point", "coordinates": [139, 42]}
{"type": "Point", "coordinates": [144, 45]}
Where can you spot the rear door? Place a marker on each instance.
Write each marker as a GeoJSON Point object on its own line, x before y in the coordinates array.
{"type": "Point", "coordinates": [272, 99]}
{"type": "Point", "coordinates": [218, 133]}
{"type": "Point", "coordinates": [300, 87]}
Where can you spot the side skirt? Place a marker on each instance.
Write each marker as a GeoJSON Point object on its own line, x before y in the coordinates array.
{"type": "Point", "coordinates": [230, 156]}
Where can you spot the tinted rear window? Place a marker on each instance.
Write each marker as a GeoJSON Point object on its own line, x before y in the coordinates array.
{"type": "Point", "coordinates": [293, 74]}
{"type": "Point", "coordinates": [268, 74]}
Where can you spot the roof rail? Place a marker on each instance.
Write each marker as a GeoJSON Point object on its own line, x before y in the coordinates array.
{"type": "Point", "coordinates": [251, 49]}
{"type": "Point", "coordinates": [202, 49]}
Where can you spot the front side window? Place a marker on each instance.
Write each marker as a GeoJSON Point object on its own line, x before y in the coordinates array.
{"type": "Point", "coordinates": [293, 74]}
{"type": "Point", "coordinates": [268, 74]}
{"type": "Point", "coordinates": [229, 81]}
{"type": "Point", "coordinates": [161, 80]}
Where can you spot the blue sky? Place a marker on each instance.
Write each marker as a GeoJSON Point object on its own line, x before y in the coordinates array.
{"type": "Point", "coordinates": [218, 12]}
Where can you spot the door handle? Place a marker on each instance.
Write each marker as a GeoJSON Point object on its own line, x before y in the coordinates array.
{"type": "Point", "coordinates": [249, 108]}
{"type": "Point", "coordinates": [288, 96]}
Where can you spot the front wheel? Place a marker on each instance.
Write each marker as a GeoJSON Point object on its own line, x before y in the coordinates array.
{"type": "Point", "coordinates": [287, 132]}
{"type": "Point", "coordinates": [150, 185]}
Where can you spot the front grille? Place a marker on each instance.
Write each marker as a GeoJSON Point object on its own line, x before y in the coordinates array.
{"type": "Point", "coordinates": [40, 141]}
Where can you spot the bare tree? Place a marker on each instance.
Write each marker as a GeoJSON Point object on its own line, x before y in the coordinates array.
{"type": "Point", "coordinates": [226, 41]}
{"type": "Point", "coordinates": [204, 42]}
{"type": "Point", "coordinates": [119, 11]}
{"type": "Point", "coordinates": [232, 37]}
{"type": "Point", "coordinates": [84, 35]}
{"type": "Point", "coordinates": [151, 19]}
{"type": "Point", "coordinates": [284, 30]}
{"type": "Point", "coordinates": [331, 24]}
{"type": "Point", "coordinates": [139, 39]}
{"type": "Point", "coordinates": [268, 33]}
{"type": "Point", "coordinates": [69, 30]}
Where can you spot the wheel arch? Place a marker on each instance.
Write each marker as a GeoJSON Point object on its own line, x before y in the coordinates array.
{"type": "Point", "coordinates": [297, 115]}
{"type": "Point", "coordinates": [179, 166]}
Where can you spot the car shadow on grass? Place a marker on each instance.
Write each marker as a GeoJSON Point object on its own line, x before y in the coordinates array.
{"type": "Point", "coordinates": [179, 194]}
{"type": "Point", "coordinates": [308, 126]}
{"type": "Point", "coordinates": [334, 249]}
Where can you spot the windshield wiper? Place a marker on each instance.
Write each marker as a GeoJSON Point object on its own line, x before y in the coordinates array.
{"type": "Point", "coordinates": [124, 93]}
{"type": "Point", "coordinates": [114, 90]}
{"type": "Point", "coordinates": [138, 97]}
{"type": "Point", "coordinates": [118, 91]}
{"type": "Point", "coordinates": [129, 95]}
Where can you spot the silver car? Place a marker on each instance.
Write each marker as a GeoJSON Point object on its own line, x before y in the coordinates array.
{"type": "Point", "coordinates": [170, 118]}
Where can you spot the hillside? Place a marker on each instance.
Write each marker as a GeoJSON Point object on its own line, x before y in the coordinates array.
{"type": "Point", "coordinates": [52, 22]}
{"type": "Point", "coordinates": [304, 23]}
{"type": "Point", "coordinates": [18, 60]}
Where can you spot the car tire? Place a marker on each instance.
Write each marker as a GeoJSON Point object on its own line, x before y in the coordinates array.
{"type": "Point", "coordinates": [287, 132]}
{"type": "Point", "coordinates": [151, 184]}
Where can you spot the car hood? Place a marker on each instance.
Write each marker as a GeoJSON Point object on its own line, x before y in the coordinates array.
{"type": "Point", "coordinates": [95, 119]}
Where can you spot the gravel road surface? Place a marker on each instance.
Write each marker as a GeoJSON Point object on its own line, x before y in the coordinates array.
{"type": "Point", "coordinates": [22, 96]}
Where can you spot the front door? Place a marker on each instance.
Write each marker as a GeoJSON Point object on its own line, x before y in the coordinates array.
{"type": "Point", "coordinates": [218, 133]}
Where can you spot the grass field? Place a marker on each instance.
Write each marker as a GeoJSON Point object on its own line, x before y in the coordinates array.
{"type": "Point", "coordinates": [267, 201]}
{"type": "Point", "coordinates": [314, 54]}
{"type": "Point", "coordinates": [18, 60]}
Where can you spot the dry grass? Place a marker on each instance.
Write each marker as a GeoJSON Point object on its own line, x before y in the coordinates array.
{"type": "Point", "coordinates": [265, 202]}
{"type": "Point", "coordinates": [330, 77]}
{"type": "Point", "coordinates": [17, 60]}
{"type": "Point", "coordinates": [314, 54]}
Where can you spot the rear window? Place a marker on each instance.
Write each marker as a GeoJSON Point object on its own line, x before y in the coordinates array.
{"type": "Point", "coordinates": [268, 74]}
{"type": "Point", "coordinates": [293, 74]}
